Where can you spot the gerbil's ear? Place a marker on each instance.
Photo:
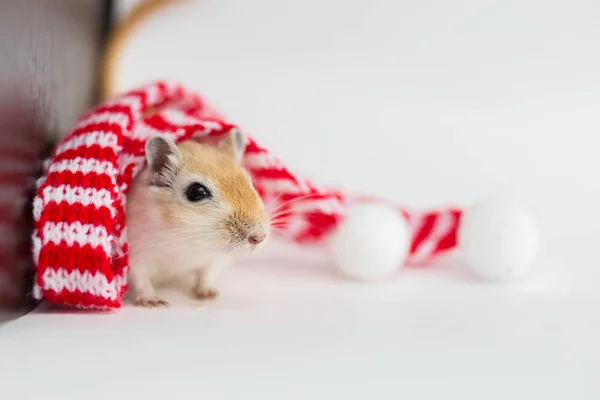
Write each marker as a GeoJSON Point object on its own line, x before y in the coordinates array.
{"type": "Point", "coordinates": [164, 160]}
{"type": "Point", "coordinates": [234, 143]}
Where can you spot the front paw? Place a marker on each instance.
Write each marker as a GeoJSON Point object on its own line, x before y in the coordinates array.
{"type": "Point", "coordinates": [206, 293]}
{"type": "Point", "coordinates": [151, 302]}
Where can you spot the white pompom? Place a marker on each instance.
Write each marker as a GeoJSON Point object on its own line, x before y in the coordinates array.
{"type": "Point", "coordinates": [371, 243]}
{"type": "Point", "coordinates": [499, 241]}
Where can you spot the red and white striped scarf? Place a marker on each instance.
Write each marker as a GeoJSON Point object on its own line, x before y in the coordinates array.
{"type": "Point", "coordinates": [80, 235]}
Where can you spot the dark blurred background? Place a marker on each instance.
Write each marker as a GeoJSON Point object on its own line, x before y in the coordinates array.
{"type": "Point", "coordinates": [49, 56]}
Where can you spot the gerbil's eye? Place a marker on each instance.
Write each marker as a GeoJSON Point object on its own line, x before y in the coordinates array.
{"type": "Point", "coordinates": [197, 192]}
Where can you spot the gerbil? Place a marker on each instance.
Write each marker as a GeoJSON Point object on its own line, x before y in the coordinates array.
{"type": "Point", "coordinates": [190, 210]}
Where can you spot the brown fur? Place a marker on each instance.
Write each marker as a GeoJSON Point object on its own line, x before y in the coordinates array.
{"type": "Point", "coordinates": [219, 166]}
{"type": "Point", "coordinates": [222, 169]}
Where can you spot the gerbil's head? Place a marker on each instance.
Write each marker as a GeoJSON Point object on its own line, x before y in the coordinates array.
{"type": "Point", "coordinates": [204, 195]}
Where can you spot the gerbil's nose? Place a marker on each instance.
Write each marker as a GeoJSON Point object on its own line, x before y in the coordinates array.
{"type": "Point", "coordinates": [257, 238]}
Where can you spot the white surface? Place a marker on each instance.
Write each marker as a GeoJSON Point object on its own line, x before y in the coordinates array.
{"type": "Point", "coordinates": [285, 328]}
{"type": "Point", "coordinates": [458, 100]}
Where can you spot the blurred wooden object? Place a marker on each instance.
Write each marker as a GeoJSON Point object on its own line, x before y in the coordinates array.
{"type": "Point", "coordinates": [48, 74]}
{"type": "Point", "coordinates": [127, 19]}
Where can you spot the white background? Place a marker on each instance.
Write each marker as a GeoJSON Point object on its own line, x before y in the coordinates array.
{"type": "Point", "coordinates": [426, 103]}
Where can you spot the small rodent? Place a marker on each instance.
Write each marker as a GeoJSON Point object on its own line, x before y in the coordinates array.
{"type": "Point", "coordinates": [191, 209]}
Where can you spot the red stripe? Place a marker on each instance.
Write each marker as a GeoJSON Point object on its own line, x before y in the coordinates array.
{"type": "Point", "coordinates": [160, 99]}
{"type": "Point", "coordinates": [87, 217]}
{"type": "Point", "coordinates": [105, 126]}
{"type": "Point", "coordinates": [142, 96]}
{"type": "Point", "coordinates": [158, 121]}
{"type": "Point", "coordinates": [253, 148]}
{"type": "Point", "coordinates": [77, 299]}
{"type": "Point", "coordinates": [319, 225]}
{"type": "Point", "coordinates": [134, 147]}
{"type": "Point", "coordinates": [85, 180]}
{"type": "Point", "coordinates": [69, 213]}
{"type": "Point", "coordinates": [118, 108]}
{"type": "Point", "coordinates": [162, 89]}
{"type": "Point", "coordinates": [449, 241]}
{"type": "Point", "coordinates": [405, 214]}
{"type": "Point", "coordinates": [423, 231]}
{"type": "Point", "coordinates": [94, 151]}
{"type": "Point", "coordinates": [75, 257]}
{"type": "Point", "coordinates": [121, 264]}
{"type": "Point", "coordinates": [269, 173]}
{"type": "Point", "coordinates": [197, 110]}
{"type": "Point", "coordinates": [127, 178]}
{"type": "Point", "coordinates": [174, 93]}
{"type": "Point", "coordinates": [119, 221]}
{"type": "Point", "coordinates": [308, 197]}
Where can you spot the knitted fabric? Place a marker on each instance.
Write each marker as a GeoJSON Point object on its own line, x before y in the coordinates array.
{"type": "Point", "coordinates": [80, 235]}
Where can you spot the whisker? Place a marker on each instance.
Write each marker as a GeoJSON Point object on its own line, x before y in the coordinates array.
{"type": "Point", "coordinates": [271, 201]}
{"type": "Point", "coordinates": [314, 217]}
{"type": "Point", "coordinates": [283, 214]}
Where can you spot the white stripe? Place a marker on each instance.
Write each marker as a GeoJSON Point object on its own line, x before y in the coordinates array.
{"type": "Point", "coordinates": [38, 206]}
{"type": "Point", "coordinates": [46, 165]}
{"type": "Point", "coordinates": [85, 165]}
{"type": "Point", "coordinates": [303, 185]}
{"type": "Point", "coordinates": [59, 279]}
{"type": "Point", "coordinates": [138, 164]}
{"type": "Point", "coordinates": [143, 131]}
{"type": "Point", "coordinates": [443, 225]}
{"type": "Point", "coordinates": [101, 138]}
{"type": "Point", "coordinates": [261, 161]}
{"type": "Point", "coordinates": [281, 186]}
{"type": "Point", "coordinates": [119, 243]}
{"type": "Point", "coordinates": [180, 119]}
{"type": "Point", "coordinates": [37, 247]}
{"type": "Point", "coordinates": [415, 220]}
{"type": "Point", "coordinates": [75, 194]}
{"type": "Point", "coordinates": [295, 226]}
{"type": "Point", "coordinates": [209, 111]}
{"type": "Point", "coordinates": [118, 252]}
{"type": "Point", "coordinates": [132, 102]}
{"type": "Point", "coordinates": [326, 206]}
{"type": "Point", "coordinates": [152, 95]}
{"type": "Point", "coordinates": [170, 88]}
{"type": "Point", "coordinates": [77, 233]}
{"type": "Point", "coordinates": [118, 118]}
{"type": "Point", "coordinates": [37, 291]}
